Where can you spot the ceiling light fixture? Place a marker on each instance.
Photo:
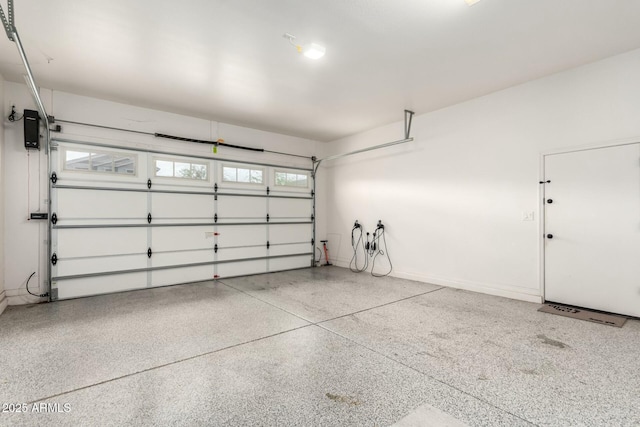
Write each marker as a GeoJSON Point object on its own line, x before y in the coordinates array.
{"type": "Point", "coordinates": [311, 50]}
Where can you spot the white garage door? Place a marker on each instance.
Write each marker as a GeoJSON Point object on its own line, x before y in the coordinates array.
{"type": "Point", "coordinates": [125, 219]}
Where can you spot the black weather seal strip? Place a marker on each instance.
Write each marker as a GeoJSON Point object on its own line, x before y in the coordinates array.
{"type": "Point", "coordinates": [202, 141]}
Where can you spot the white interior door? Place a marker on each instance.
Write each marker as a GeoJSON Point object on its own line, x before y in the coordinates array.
{"type": "Point", "coordinates": [592, 229]}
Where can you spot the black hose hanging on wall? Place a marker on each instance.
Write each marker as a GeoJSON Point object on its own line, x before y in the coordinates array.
{"type": "Point", "coordinates": [375, 249]}
{"type": "Point", "coordinates": [356, 243]}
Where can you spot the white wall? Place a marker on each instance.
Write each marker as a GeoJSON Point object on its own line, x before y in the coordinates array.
{"type": "Point", "coordinates": [25, 241]}
{"type": "Point", "coordinates": [453, 199]}
{"type": "Point", "coordinates": [3, 298]}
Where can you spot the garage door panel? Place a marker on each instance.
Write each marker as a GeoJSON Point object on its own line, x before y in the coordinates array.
{"type": "Point", "coordinates": [70, 267]}
{"type": "Point", "coordinates": [290, 208]}
{"type": "Point", "coordinates": [100, 204]}
{"type": "Point", "coordinates": [303, 193]}
{"type": "Point", "coordinates": [237, 209]}
{"type": "Point", "coordinates": [291, 263]}
{"type": "Point", "coordinates": [182, 275]}
{"type": "Point", "coordinates": [242, 235]}
{"type": "Point", "coordinates": [180, 206]}
{"type": "Point", "coordinates": [291, 233]}
{"type": "Point", "coordinates": [182, 238]}
{"type": "Point", "coordinates": [74, 288]}
{"type": "Point", "coordinates": [100, 241]}
{"type": "Point", "coordinates": [291, 249]}
{"type": "Point", "coordinates": [241, 268]}
{"type": "Point", "coordinates": [240, 253]}
{"type": "Point", "coordinates": [177, 258]}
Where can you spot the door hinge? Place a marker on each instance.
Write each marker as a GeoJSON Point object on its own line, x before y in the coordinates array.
{"type": "Point", "coordinates": [215, 217]}
{"type": "Point", "coordinates": [149, 218]}
{"type": "Point", "coordinates": [268, 191]}
{"type": "Point", "coordinates": [54, 259]}
{"type": "Point", "coordinates": [215, 248]}
{"type": "Point", "coordinates": [149, 252]}
{"type": "Point", "coordinates": [268, 244]}
{"type": "Point", "coordinates": [267, 217]}
{"type": "Point", "coordinates": [54, 218]}
{"type": "Point", "coordinates": [149, 183]}
{"type": "Point", "coordinates": [54, 178]}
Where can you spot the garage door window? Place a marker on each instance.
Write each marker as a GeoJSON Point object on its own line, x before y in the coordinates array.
{"type": "Point", "coordinates": [242, 175]}
{"type": "Point", "coordinates": [100, 162]}
{"type": "Point", "coordinates": [291, 179]}
{"type": "Point", "coordinates": [180, 169]}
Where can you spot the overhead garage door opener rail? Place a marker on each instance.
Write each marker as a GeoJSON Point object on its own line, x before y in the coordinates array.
{"type": "Point", "coordinates": [217, 143]}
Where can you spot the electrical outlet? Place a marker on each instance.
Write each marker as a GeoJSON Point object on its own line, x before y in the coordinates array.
{"type": "Point", "coordinates": [528, 216]}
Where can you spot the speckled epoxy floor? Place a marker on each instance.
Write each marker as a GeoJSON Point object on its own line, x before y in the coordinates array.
{"type": "Point", "coordinates": [314, 347]}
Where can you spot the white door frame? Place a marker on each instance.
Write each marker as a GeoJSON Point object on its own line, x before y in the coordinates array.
{"type": "Point", "coordinates": [541, 194]}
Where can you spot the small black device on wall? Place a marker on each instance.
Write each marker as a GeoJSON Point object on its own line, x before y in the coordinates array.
{"type": "Point", "coordinates": [31, 129]}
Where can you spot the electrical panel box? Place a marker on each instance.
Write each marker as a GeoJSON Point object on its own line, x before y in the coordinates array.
{"type": "Point", "coordinates": [31, 129]}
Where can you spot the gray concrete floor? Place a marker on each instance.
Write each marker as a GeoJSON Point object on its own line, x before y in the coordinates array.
{"type": "Point", "coordinates": [314, 347]}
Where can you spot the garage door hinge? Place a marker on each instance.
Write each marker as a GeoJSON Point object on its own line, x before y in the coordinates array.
{"type": "Point", "coordinates": [215, 197]}
{"type": "Point", "coordinates": [313, 193]}
{"type": "Point", "coordinates": [268, 245]}
{"type": "Point", "coordinates": [268, 191]}
{"type": "Point", "coordinates": [215, 248]}
{"type": "Point", "coordinates": [149, 252]}
{"type": "Point", "coordinates": [312, 242]}
{"type": "Point", "coordinates": [215, 187]}
{"type": "Point", "coordinates": [312, 217]}
{"type": "Point", "coordinates": [54, 259]}
{"type": "Point", "coordinates": [215, 218]}
{"type": "Point", "coordinates": [267, 217]}
{"type": "Point", "coordinates": [149, 218]}
{"type": "Point", "coordinates": [54, 218]}
{"type": "Point", "coordinates": [149, 183]}
{"type": "Point", "coordinates": [54, 178]}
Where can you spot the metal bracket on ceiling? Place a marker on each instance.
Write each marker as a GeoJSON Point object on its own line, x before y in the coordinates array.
{"type": "Point", "coordinates": [8, 24]}
{"type": "Point", "coordinates": [408, 117]}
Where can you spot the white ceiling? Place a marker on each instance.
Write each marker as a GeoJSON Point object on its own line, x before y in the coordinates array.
{"type": "Point", "coordinates": [226, 60]}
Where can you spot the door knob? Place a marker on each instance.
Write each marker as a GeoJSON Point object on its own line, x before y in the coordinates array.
{"type": "Point", "coordinates": [549, 200]}
{"type": "Point", "coordinates": [549, 236]}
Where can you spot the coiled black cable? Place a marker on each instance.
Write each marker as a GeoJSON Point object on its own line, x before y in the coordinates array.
{"type": "Point", "coordinates": [377, 250]}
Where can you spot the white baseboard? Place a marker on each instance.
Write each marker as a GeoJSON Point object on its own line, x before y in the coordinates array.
{"type": "Point", "coordinates": [21, 297]}
{"type": "Point", "coordinates": [4, 301]}
{"type": "Point", "coordinates": [516, 293]}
